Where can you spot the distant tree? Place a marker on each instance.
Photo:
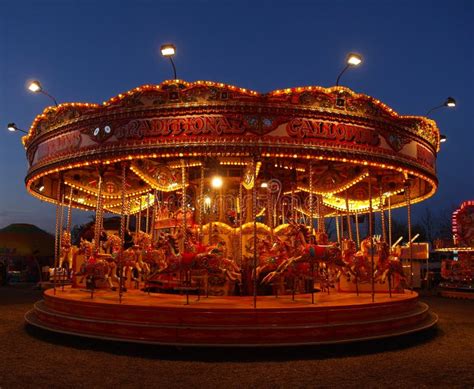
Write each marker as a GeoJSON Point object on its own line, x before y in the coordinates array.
{"type": "Point", "coordinates": [436, 225]}
{"type": "Point", "coordinates": [429, 225]}
{"type": "Point", "coordinates": [444, 221]}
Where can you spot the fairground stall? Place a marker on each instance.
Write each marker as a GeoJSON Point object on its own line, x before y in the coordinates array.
{"type": "Point", "coordinates": [235, 194]}
{"type": "Point", "coordinates": [457, 266]}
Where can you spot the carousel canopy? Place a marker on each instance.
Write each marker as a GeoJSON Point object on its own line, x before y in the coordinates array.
{"type": "Point", "coordinates": [358, 148]}
{"type": "Point", "coordinates": [23, 240]}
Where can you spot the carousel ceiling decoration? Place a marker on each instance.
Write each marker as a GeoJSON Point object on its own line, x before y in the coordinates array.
{"type": "Point", "coordinates": [158, 176]}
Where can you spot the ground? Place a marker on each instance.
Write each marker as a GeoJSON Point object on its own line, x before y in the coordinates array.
{"type": "Point", "coordinates": [442, 357]}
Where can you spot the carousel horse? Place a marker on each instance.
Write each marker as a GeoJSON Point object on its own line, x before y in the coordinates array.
{"type": "Point", "coordinates": [389, 267]}
{"type": "Point", "coordinates": [320, 261]}
{"type": "Point", "coordinates": [361, 265]}
{"type": "Point", "coordinates": [269, 255]}
{"type": "Point", "coordinates": [67, 251]}
{"type": "Point", "coordinates": [197, 257]}
{"type": "Point", "coordinates": [94, 268]}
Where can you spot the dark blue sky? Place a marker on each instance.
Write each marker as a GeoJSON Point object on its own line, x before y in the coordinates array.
{"type": "Point", "coordinates": [416, 53]}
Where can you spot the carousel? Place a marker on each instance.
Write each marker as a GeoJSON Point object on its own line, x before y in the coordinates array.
{"type": "Point", "coordinates": [457, 264]}
{"type": "Point", "coordinates": [246, 219]}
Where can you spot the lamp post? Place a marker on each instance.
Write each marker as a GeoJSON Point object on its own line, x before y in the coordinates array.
{"type": "Point", "coordinates": [35, 87]}
{"type": "Point", "coordinates": [169, 50]}
{"type": "Point", "coordinates": [449, 103]}
{"type": "Point", "coordinates": [353, 59]}
{"type": "Point", "coordinates": [443, 138]}
{"type": "Point", "coordinates": [12, 127]}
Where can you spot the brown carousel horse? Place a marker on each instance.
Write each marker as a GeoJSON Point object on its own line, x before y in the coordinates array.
{"type": "Point", "coordinates": [389, 267]}
{"type": "Point", "coordinates": [96, 267]}
{"type": "Point", "coordinates": [269, 255]}
{"type": "Point", "coordinates": [131, 260]}
{"type": "Point", "coordinates": [197, 257]}
{"type": "Point", "coordinates": [323, 262]}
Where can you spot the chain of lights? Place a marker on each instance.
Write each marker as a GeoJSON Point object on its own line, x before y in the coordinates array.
{"type": "Point", "coordinates": [335, 190]}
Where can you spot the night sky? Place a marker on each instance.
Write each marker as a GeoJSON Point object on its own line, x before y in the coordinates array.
{"type": "Point", "coordinates": [416, 53]}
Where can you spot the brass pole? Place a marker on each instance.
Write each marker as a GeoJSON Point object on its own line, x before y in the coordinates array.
{"type": "Point", "coordinates": [371, 240]}
{"type": "Point", "coordinates": [254, 216]}
{"type": "Point", "coordinates": [98, 214]}
{"type": "Point", "coordinates": [201, 203]}
{"type": "Point", "coordinates": [382, 212]}
{"type": "Point", "coordinates": [408, 199]}
{"type": "Point", "coordinates": [241, 219]}
{"type": "Point", "coordinates": [349, 227]}
{"type": "Point", "coordinates": [147, 220]}
{"type": "Point", "coordinates": [357, 229]}
{"type": "Point", "coordinates": [69, 211]}
{"type": "Point", "coordinates": [183, 205]}
{"type": "Point", "coordinates": [122, 229]}
{"type": "Point", "coordinates": [390, 221]}
{"type": "Point", "coordinates": [57, 233]}
{"type": "Point", "coordinates": [311, 210]}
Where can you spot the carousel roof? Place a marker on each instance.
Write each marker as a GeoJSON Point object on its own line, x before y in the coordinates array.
{"type": "Point", "coordinates": [348, 138]}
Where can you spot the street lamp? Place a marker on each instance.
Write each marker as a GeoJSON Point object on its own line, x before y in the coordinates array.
{"type": "Point", "coordinates": [449, 102]}
{"type": "Point", "coordinates": [443, 138]}
{"type": "Point", "coordinates": [352, 60]}
{"type": "Point", "coordinates": [169, 50]}
{"type": "Point", "coordinates": [12, 127]}
{"type": "Point", "coordinates": [35, 87]}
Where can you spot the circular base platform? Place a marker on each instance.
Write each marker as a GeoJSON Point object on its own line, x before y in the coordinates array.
{"type": "Point", "coordinates": [230, 321]}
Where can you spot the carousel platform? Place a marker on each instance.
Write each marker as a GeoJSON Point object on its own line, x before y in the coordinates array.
{"type": "Point", "coordinates": [165, 319]}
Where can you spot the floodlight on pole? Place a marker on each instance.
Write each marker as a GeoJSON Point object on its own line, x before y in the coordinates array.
{"type": "Point", "coordinates": [169, 50]}
{"type": "Point", "coordinates": [352, 60]}
{"type": "Point", "coordinates": [35, 87]}
{"type": "Point", "coordinates": [12, 127]}
{"type": "Point", "coordinates": [450, 102]}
